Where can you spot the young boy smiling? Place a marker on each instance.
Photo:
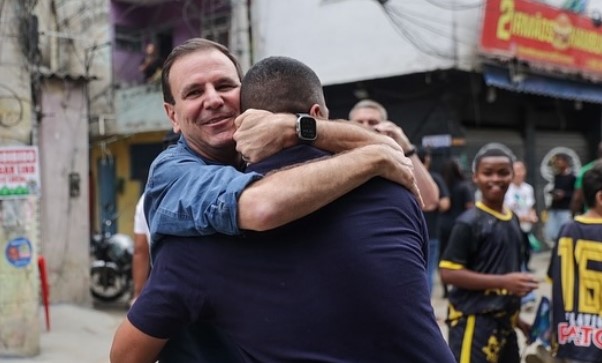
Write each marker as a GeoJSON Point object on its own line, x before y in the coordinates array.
{"type": "Point", "coordinates": [483, 264]}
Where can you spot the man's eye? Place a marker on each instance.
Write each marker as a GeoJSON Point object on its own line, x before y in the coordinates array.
{"type": "Point", "coordinates": [194, 92]}
{"type": "Point", "coordinates": [226, 87]}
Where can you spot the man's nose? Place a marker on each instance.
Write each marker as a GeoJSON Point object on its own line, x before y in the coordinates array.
{"type": "Point", "coordinates": [497, 177]}
{"type": "Point", "coordinates": [213, 98]}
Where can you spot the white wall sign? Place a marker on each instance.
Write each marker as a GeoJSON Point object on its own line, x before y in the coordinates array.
{"type": "Point", "coordinates": [19, 172]}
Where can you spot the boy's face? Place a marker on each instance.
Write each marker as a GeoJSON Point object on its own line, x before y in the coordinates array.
{"type": "Point", "coordinates": [492, 177]}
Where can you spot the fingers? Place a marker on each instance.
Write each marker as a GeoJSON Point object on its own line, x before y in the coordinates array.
{"type": "Point", "coordinates": [250, 117]}
{"type": "Point", "coordinates": [416, 193]}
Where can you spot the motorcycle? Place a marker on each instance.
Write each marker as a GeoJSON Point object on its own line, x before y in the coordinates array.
{"type": "Point", "coordinates": [111, 268]}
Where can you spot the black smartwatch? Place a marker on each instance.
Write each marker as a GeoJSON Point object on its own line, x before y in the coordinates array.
{"type": "Point", "coordinates": [306, 128]}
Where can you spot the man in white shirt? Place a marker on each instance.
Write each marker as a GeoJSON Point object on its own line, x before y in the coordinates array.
{"type": "Point", "coordinates": [521, 200]}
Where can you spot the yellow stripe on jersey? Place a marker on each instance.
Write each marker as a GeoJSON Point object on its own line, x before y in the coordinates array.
{"type": "Point", "coordinates": [467, 340]}
{"type": "Point", "coordinates": [588, 220]}
{"type": "Point", "coordinates": [450, 265]}
{"type": "Point", "coordinates": [506, 216]}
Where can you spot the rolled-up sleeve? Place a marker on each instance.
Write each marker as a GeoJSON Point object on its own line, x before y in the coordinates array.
{"type": "Point", "coordinates": [187, 197]}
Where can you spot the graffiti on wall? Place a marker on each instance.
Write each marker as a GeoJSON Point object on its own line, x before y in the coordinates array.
{"type": "Point", "coordinates": [15, 115]}
{"type": "Point", "coordinates": [12, 109]}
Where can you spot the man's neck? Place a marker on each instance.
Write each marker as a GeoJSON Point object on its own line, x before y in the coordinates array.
{"type": "Point", "coordinates": [595, 213]}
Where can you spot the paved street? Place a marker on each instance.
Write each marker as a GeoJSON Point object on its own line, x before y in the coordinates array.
{"type": "Point", "coordinates": [81, 334]}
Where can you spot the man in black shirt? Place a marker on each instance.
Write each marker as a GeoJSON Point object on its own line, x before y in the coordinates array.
{"type": "Point", "coordinates": [559, 212]}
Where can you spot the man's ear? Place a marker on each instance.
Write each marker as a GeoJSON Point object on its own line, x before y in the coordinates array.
{"type": "Point", "coordinates": [599, 198]}
{"type": "Point", "coordinates": [318, 111]}
{"type": "Point", "coordinates": [171, 114]}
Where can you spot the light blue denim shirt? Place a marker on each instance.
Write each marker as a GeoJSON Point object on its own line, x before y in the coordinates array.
{"type": "Point", "coordinates": [187, 195]}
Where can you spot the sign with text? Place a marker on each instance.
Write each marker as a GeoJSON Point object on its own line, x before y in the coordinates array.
{"type": "Point", "coordinates": [542, 35]}
{"type": "Point", "coordinates": [19, 172]}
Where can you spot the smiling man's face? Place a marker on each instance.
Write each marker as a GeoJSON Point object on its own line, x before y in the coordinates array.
{"type": "Point", "coordinates": [206, 89]}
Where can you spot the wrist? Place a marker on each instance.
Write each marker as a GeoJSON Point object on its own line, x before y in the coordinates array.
{"type": "Point", "coordinates": [289, 130]}
{"type": "Point", "coordinates": [371, 158]}
{"type": "Point", "coordinates": [410, 151]}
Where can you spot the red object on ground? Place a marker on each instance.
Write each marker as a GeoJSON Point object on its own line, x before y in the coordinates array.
{"type": "Point", "coordinates": [45, 289]}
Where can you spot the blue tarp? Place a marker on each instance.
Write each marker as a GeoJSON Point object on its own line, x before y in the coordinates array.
{"type": "Point", "coordinates": [544, 86]}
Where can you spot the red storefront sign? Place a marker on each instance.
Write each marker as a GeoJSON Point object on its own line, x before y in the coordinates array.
{"type": "Point", "coordinates": [542, 35]}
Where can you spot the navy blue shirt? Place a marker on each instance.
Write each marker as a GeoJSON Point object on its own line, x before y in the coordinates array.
{"type": "Point", "coordinates": [575, 269]}
{"type": "Point", "coordinates": [344, 284]}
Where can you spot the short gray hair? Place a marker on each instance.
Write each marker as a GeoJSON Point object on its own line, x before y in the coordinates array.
{"type": "Point", "coordinates": [370, 104]}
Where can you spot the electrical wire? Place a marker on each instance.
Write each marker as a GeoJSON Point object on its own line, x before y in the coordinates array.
{"type": "Point", "coordinates": [453, 6]}
{"type": "Point", "coordinates": [416, 40]}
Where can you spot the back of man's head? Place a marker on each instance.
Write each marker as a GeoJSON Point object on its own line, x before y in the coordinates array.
{"type": "Point", "coordinates": [592, 184]}
{"type": "Point", "coordinates": [281, 84]}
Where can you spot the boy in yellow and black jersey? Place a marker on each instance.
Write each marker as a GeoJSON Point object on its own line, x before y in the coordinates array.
{"type": "Point", "coordinates": [483, 264]}
{"type": "Point", "coordinates": [576, 273]}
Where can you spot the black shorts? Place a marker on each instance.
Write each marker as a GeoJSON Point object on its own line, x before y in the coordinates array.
{"type": "Point", "coordinates": [487, 338]}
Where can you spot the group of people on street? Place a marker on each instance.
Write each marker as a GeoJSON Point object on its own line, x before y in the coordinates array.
{"type": "Point", "coordinates": [276, 235]}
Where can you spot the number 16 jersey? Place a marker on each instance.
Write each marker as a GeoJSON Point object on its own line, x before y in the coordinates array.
{"type": "Point", "coordinates": [576, 273]}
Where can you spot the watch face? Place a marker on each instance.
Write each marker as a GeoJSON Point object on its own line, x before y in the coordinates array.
{"type": "Point", "coordinates": [307, 128]}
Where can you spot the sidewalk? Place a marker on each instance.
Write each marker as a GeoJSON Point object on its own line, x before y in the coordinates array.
{"type": "Point", "coordinates": [77, 335]}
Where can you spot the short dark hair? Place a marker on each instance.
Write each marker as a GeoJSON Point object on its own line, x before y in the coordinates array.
{"type": "Point", "coordinates": [493, 151]}
{"type": "Point", "coordinates": [188, 47]}
{"type": "Point", "coordinates": [592, 184]}
{"type": "Point", "coordinates": [281, 84]}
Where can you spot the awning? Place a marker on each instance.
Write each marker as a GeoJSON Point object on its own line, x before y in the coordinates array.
{"type": "Point", "coordinates": [543, 86]}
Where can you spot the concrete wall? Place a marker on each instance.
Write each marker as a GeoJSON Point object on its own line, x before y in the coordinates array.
{"type": "Point", "coordinates": [350, 40]}
{"type": "Point", "coordinates": [63, 143]}
{"type": "Point", "coordinates": [19, 287]}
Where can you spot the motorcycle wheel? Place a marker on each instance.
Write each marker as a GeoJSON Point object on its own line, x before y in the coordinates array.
{"type": "Point", "coordinates": [107, 283]}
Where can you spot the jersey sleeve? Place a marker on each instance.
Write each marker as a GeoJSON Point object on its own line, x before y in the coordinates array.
{"type": "Point", "coordinates": [170, 300]}
{"type": "Point", "coordinates": [460, 246]}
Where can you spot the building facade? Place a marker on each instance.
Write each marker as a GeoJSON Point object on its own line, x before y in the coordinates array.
{"type": "Point", "coordinates": [445, 76]}
{"type": "Point", "coordinates": [44, 143]}
{"type": "Point", "coordinates": [429, 62]}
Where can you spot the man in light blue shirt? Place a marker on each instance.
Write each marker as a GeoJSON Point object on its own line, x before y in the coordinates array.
{"type": "Point", "coordinates": [196, 188]}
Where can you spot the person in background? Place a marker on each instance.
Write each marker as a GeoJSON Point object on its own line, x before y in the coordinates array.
{"type": "Point", "coordinates": [520, 198]}
{"type": "Point", "coordinates": [150, 67]}
{"type": "Point", "coordinates": [576, 279]}
{"type": "Point", "coordinates": [141, 258]}
{"type": "Point", "coordinates": [373, 116]}
{"type": "Point", "coordinates": [559, 212]}
{"type": "Point", "coordinates": [483, 264]}
{"type": "Point", "coordinates": [461, 198]}
{"type": "Point", "coordinates": [577, 204]}
{"type": "Point", "coordinates": [432, 217]}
